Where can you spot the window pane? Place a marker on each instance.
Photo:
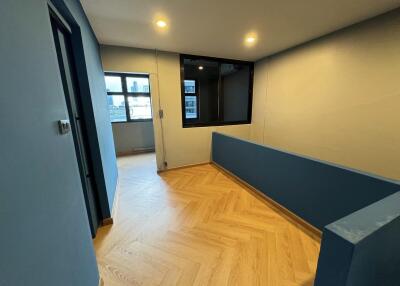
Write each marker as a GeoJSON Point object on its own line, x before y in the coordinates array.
{"type": "Point", "coordinates": [113, 83]}
{"type": "Point", "coordinates": [116, 106]}
{"type": "Point", "coordinates": [138, 84]}
{"type": "Point", "coordinates": [190, 107]}
{"type": "Point", "coordinates": [139, 107]}
{"type": "Point", "coordinates": [205, 85]}
{"type": "Point", "coordinates": [215, 91]}
{"type": "Point", "coordinates": [190, 86]}
{"type": "Point", "coordinates": [235, 91]}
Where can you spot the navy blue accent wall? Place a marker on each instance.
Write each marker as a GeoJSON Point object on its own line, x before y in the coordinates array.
{"type": "Point", "coordinates": [363, 248]}
{"type": "Point", "coordinates": [316, 191]}
{"type": "Point", "coordinates": [45, 237]}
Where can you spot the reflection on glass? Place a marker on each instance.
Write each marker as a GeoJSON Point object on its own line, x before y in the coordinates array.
{"type": "Point", "coordinates": [113, 83]}
{"type": "Point", "coordinates": [139, 107]}
{"type": "Point", "coordinates": [190, 107]}
{"type": "Point", "coordinates": [215, 91]}
{"type": "Point", "coordinates": [190, 86]}
{"type": "Point", "coordinates": [116, 106]}
{"type": "Point", "coordinates": [235, 91]}
{"type": "Point", "coordinates": [138, 84]}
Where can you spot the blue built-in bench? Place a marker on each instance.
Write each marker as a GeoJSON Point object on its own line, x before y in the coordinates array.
{"type": "Point", "coordinates": [358, 212]}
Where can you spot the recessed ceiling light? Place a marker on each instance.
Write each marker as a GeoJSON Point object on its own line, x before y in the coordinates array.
{"type": "Point", "coordinates": [201, 68]}
{"type": "Point", "coordinates": [250, 39]}
{"type": "Point", "coordinates": [161, 23]}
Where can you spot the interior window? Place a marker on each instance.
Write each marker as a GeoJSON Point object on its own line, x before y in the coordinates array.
{"type": "Point", "coordinates": [215, 91]}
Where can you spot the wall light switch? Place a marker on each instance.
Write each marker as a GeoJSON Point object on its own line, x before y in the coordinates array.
{"type": "Point", "coordinates": [64, 126]}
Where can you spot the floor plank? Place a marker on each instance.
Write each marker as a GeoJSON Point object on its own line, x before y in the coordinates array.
{"type": "Point", "coordinates": [197, 226]}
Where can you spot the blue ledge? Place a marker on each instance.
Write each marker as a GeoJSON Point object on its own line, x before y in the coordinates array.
{"type": "Point", "coordinates": [363, 249]}
{"type": "Point", "coordinates": [317, 191]}
{"type": "Point", "coordinates": [361, 212]}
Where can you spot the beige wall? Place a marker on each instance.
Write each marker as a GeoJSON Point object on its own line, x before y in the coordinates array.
{"type": "Point", "coordinates": [336, 98]}
{"type": "Point", "coordinates": [133, 136]}
{"type": "Point", "coordinates": [183, 146]}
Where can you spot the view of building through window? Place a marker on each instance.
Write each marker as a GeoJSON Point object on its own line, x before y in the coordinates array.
{"type": "Point", "coordinates": [128, 97]}
{"type": "Point", "coordinates": [138, 84]}
{"type": "Point", "coordinates": [116, 106]}
{"type": "Point", "coordinates": [139, 107]}
{"type": "Point", "coordinates": [113, 84]}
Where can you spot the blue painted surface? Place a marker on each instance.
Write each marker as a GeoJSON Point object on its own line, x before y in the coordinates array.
{"type": "Point", "coordinates": [334, 261]}
{"type": "Point", "coordinates": [45, 238]}
{"type": "Point", "coordinates": [363, 248]}
{"type": "Point", "coordinates": [316, 191]}
{"type": "Point", "coordinates": [91, 69]}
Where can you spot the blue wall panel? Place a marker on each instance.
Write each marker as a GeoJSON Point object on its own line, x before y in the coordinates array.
{"type": "Point", "coordinates": [316, 191]}
{"type": "Point", "coordinates": [100, 131]}
{"type": "Point", "coordinates": [45, 238]}
{"type": "Point", "coordinates": [363, 248]}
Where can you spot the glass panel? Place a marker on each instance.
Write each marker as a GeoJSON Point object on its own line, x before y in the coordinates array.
{"type": "Point", "coordinates": [190, 107]}
{"type": "Point", "coordinates": [215, 91]}
{"type": "Point", "coordinates": [190, 86]}
{"type": "Point", "coordinates": [235, 91]}
{"type": "Point", "coordinates": [201, 78]}
{"type": "Point", "coordinates": [113, 83]}
{"type": "Point", "coordinates": [116, 107]}
{"type": "Point", "coordinates": [138, 84]}
{"type": "Point", "coordinates": [139, 107]}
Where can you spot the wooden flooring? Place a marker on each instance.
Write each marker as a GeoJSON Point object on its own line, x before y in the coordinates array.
{"type": "Point", "coordinates": [197, 226]}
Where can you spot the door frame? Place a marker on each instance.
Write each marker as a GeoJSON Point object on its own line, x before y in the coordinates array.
{"type": "Point", "coordinates": [62, 13]}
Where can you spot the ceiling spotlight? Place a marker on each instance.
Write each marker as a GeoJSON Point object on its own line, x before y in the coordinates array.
{"type": "Point", "coordinates": [161, 24]}
{"type": "Point", "coordinates": [201, 68]}
{"type": "Point", "coordinates": [250, 39]}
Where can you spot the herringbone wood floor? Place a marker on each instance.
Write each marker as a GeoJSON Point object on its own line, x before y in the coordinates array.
{"type": "Point", "coordinates": [197, 226]}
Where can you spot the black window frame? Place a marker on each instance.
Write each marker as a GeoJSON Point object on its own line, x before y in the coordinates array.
{"type": "Point", "coordinates": [126, 94]}
{"type": "Point", "coordinates": [188, 123]}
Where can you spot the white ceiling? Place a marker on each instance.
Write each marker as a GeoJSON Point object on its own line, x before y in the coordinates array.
{"type": "Point", "coordinates": [217, 27]}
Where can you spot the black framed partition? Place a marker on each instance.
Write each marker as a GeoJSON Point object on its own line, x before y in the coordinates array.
{"type": "Point", "coordinates": [215, 91]}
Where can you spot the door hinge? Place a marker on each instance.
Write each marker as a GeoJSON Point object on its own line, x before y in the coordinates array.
{"type": "Point", "coordinates": [161, 113]}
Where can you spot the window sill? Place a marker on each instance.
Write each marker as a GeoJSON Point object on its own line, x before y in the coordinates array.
{"type": "Point", "coordinates": [210, 124]}
{"type": "Point", "coordinates": [133, 121]}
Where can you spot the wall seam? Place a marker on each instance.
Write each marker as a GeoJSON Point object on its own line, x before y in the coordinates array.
{"type": "Point", "coordinates": [160, 108]}
{"type": "Point", "coordinates": [265, 104]}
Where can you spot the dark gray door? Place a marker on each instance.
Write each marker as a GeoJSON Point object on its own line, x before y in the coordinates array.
{"type": "Point", "coordinates": [62, 38]}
